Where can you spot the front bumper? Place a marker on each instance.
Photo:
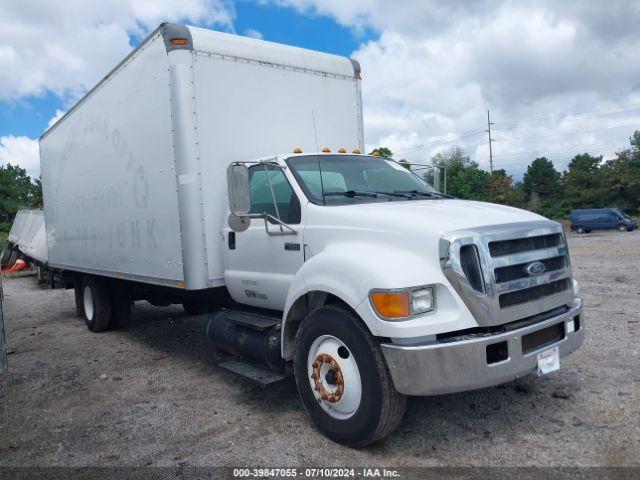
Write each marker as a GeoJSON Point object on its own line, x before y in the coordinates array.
{"type": "Point", "coordinates": [440, 367]}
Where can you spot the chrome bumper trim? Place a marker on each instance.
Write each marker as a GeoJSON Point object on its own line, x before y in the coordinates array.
{"type": "Point", "coordinates": [438, 368]}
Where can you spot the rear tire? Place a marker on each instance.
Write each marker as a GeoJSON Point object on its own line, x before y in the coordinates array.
{"type": "Point", "coordinates": [330, 336]}
{"type": "Point", "coordinates": [580, 230]}
{"type": "Point", "coordinates": [77, 292]}
{"type": "Point", "coordinates": [121, 306]}
{"type": "Point", "coordinates": [96, 303]}
{"type": "Point", "coordinates": [622, 228]}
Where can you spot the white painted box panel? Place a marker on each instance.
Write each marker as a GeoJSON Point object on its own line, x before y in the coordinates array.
{"type": "Point", "coordinates": [109, 184]}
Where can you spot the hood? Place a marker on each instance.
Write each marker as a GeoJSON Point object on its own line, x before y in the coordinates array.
{"type": "Point", "coordinates": [432, 216]}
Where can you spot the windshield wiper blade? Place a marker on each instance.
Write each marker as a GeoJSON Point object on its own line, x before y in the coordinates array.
{"type": "Point", "coordinates": [424, 194]}
{"type": "Point", "coordinates": [351, 193]}
{"type": "Point", "coordinates": [395, 193]}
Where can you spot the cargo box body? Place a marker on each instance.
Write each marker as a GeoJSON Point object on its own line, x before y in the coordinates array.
{"type": "Point", "coordinates": [29, 235]}
{"type": "Point", "coordinates": [134, 175]}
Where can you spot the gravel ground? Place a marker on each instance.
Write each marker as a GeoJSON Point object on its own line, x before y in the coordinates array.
{"type": "Point", "coordinates": [152, 394]}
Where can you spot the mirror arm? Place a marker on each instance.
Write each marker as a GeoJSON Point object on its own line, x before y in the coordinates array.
{"type": "Point", "coordinates": [265, 216]}
{"type": "Point", "coordinates": [273, 194]}
{"type": "Point", "coordinates": [288, 231]}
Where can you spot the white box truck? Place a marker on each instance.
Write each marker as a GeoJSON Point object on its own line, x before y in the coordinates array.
{"type": "Point", "coordinates": [167, 183]}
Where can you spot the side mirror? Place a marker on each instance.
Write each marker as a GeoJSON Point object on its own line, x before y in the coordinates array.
{"type": "Point", "coordinates": [239, 192]}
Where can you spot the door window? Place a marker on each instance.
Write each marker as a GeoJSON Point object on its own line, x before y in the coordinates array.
{"type": "Point", "coordinates": [264, 178]}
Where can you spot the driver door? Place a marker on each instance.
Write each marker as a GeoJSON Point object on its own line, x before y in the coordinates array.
{"type": "Point", "coordinates": [261, 262]}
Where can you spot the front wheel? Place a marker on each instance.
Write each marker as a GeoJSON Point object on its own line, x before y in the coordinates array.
{"type": "Point", "coordinates": [580, 230]}
{"type": "Point", "coordinates": [343, 379]}
{"type": "Point", "coordinates": [622, 228]}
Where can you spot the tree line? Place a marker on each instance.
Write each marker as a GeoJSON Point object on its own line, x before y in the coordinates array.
{"type": "Point", "coordinates": [17, 190]}
{"type": "Point", "coordinates": [588, 182]}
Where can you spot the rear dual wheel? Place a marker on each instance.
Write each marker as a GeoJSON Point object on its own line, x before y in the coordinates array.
{"type": "Point", "coordinates": [343, 380]}
{"type": "Point", "coordinates": [96, 303]}
{"type": "Point", "coordinates": [102, 304]}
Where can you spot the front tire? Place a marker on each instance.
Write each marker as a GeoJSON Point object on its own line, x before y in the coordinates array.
{"type": "Point", "coordinates": [580, 230]}
{"type": "Point", "coordinates": [96, 303]}
{"type": "Point", "coordinates": [622, 228]}
{"type": "Point", "coordinates": [343, 380]}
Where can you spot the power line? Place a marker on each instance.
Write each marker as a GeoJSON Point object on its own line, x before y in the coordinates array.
{"type": "Point", "coordinates": [510, 125]}
{"type": "Point", "coordinates": [565, 149]}
{"type": "Point", "coordinates": [634, 125]}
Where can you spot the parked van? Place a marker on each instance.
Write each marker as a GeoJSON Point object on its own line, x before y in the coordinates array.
{"type": "Point", "coordinates": [583, 221]}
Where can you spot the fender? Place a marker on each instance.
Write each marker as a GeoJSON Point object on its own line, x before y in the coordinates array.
{"type": "Point", "coordinates": [350, 270]}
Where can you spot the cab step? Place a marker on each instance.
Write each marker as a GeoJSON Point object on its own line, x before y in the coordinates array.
{"type": "Point", "coordinates": [254, 320]}
{"type": "Point", "coordinates": [253, 373]}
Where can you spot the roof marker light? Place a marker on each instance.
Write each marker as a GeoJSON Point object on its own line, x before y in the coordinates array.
{"type": "Point", "coordinates": [326, 150]}
{"type": "Point", "coordinates": [342, 150]}
{"type": "Point", "coordinates": [356, 151]}
{"type": "Point", "coordinates": [297, 150]}
{"type": "Point", "coordinates": [375, 153]}
{"type": "Point", "coordinates": [178, 41]}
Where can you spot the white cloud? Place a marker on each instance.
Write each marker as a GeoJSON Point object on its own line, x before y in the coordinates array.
{"type": "Point", "coordinates": [250, 32]}
{"type": "Point", "coordinates": [435, 68]}
{"type": "Point", "coordinates": [66, 47]}
{"type": "Point", "coordinates": [59, 114]}
{"type": "Point", "coordinates": [21, 151]}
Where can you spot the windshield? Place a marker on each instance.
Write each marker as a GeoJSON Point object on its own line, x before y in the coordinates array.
{"type": "Point", "coordinates": [357, 179]}
{"type": "Point", "coordinates": [622, 214]}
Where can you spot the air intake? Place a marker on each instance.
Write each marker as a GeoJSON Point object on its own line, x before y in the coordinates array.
{"type": "Point", "coordinates": [470, 263]}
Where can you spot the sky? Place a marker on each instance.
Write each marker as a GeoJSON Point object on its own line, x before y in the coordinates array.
{"type": "Point", "coordinates": [559, 78]}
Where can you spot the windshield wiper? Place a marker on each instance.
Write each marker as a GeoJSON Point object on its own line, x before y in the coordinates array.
{"type": "Point", "coordinates": [351, 193]}
{"type": "Point", "coordinates": [424, 194]}
{"type": "Point", "coordinates": [395, 194]}
{"type": "Point", "coordinates": [373, 194]}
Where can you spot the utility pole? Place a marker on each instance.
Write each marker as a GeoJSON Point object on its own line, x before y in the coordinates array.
{"type": "Point", "coordinates": [445, 179]}
{"type": "Point", "coordinates": [488, 130]}
{"type": "Point", "coordinates": [436, 174]}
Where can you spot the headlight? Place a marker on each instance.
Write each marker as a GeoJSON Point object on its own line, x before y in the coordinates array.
{"type": "Point", "coordinates": [422, 300]}
{"type": "Point", "coordinates": [402, 304]}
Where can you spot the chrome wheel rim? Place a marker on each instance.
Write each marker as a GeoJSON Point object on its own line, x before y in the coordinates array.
{"type": "Point", "coordinates": [334, 377]}
{"type": "Point", "coordinates": [87, 300]}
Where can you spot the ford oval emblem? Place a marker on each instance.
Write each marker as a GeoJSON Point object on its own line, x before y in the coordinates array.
{"type": "Point", "coordinates": [535, 268]}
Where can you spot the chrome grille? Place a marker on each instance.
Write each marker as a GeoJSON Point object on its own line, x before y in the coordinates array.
{"type": "Point", "coordinates": [533, 293]}
{"type": "Point", "coordinates": [513, 289]}
{"type": "Point", "coordinates": [517, 245]}
{"type": "Point", "coordinates": [514, 272]}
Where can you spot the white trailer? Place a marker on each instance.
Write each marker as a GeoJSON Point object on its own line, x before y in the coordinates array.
{"type": "Point", "coordinates": [167, 183]}
{"type": "Point", "coordinates": [28, 235]}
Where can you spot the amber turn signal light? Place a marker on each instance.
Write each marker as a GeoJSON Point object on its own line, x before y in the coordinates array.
{"type": "Point", "coordinates": [178, 41]}
{"type": "Point", "coordinates": [391, 304]}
